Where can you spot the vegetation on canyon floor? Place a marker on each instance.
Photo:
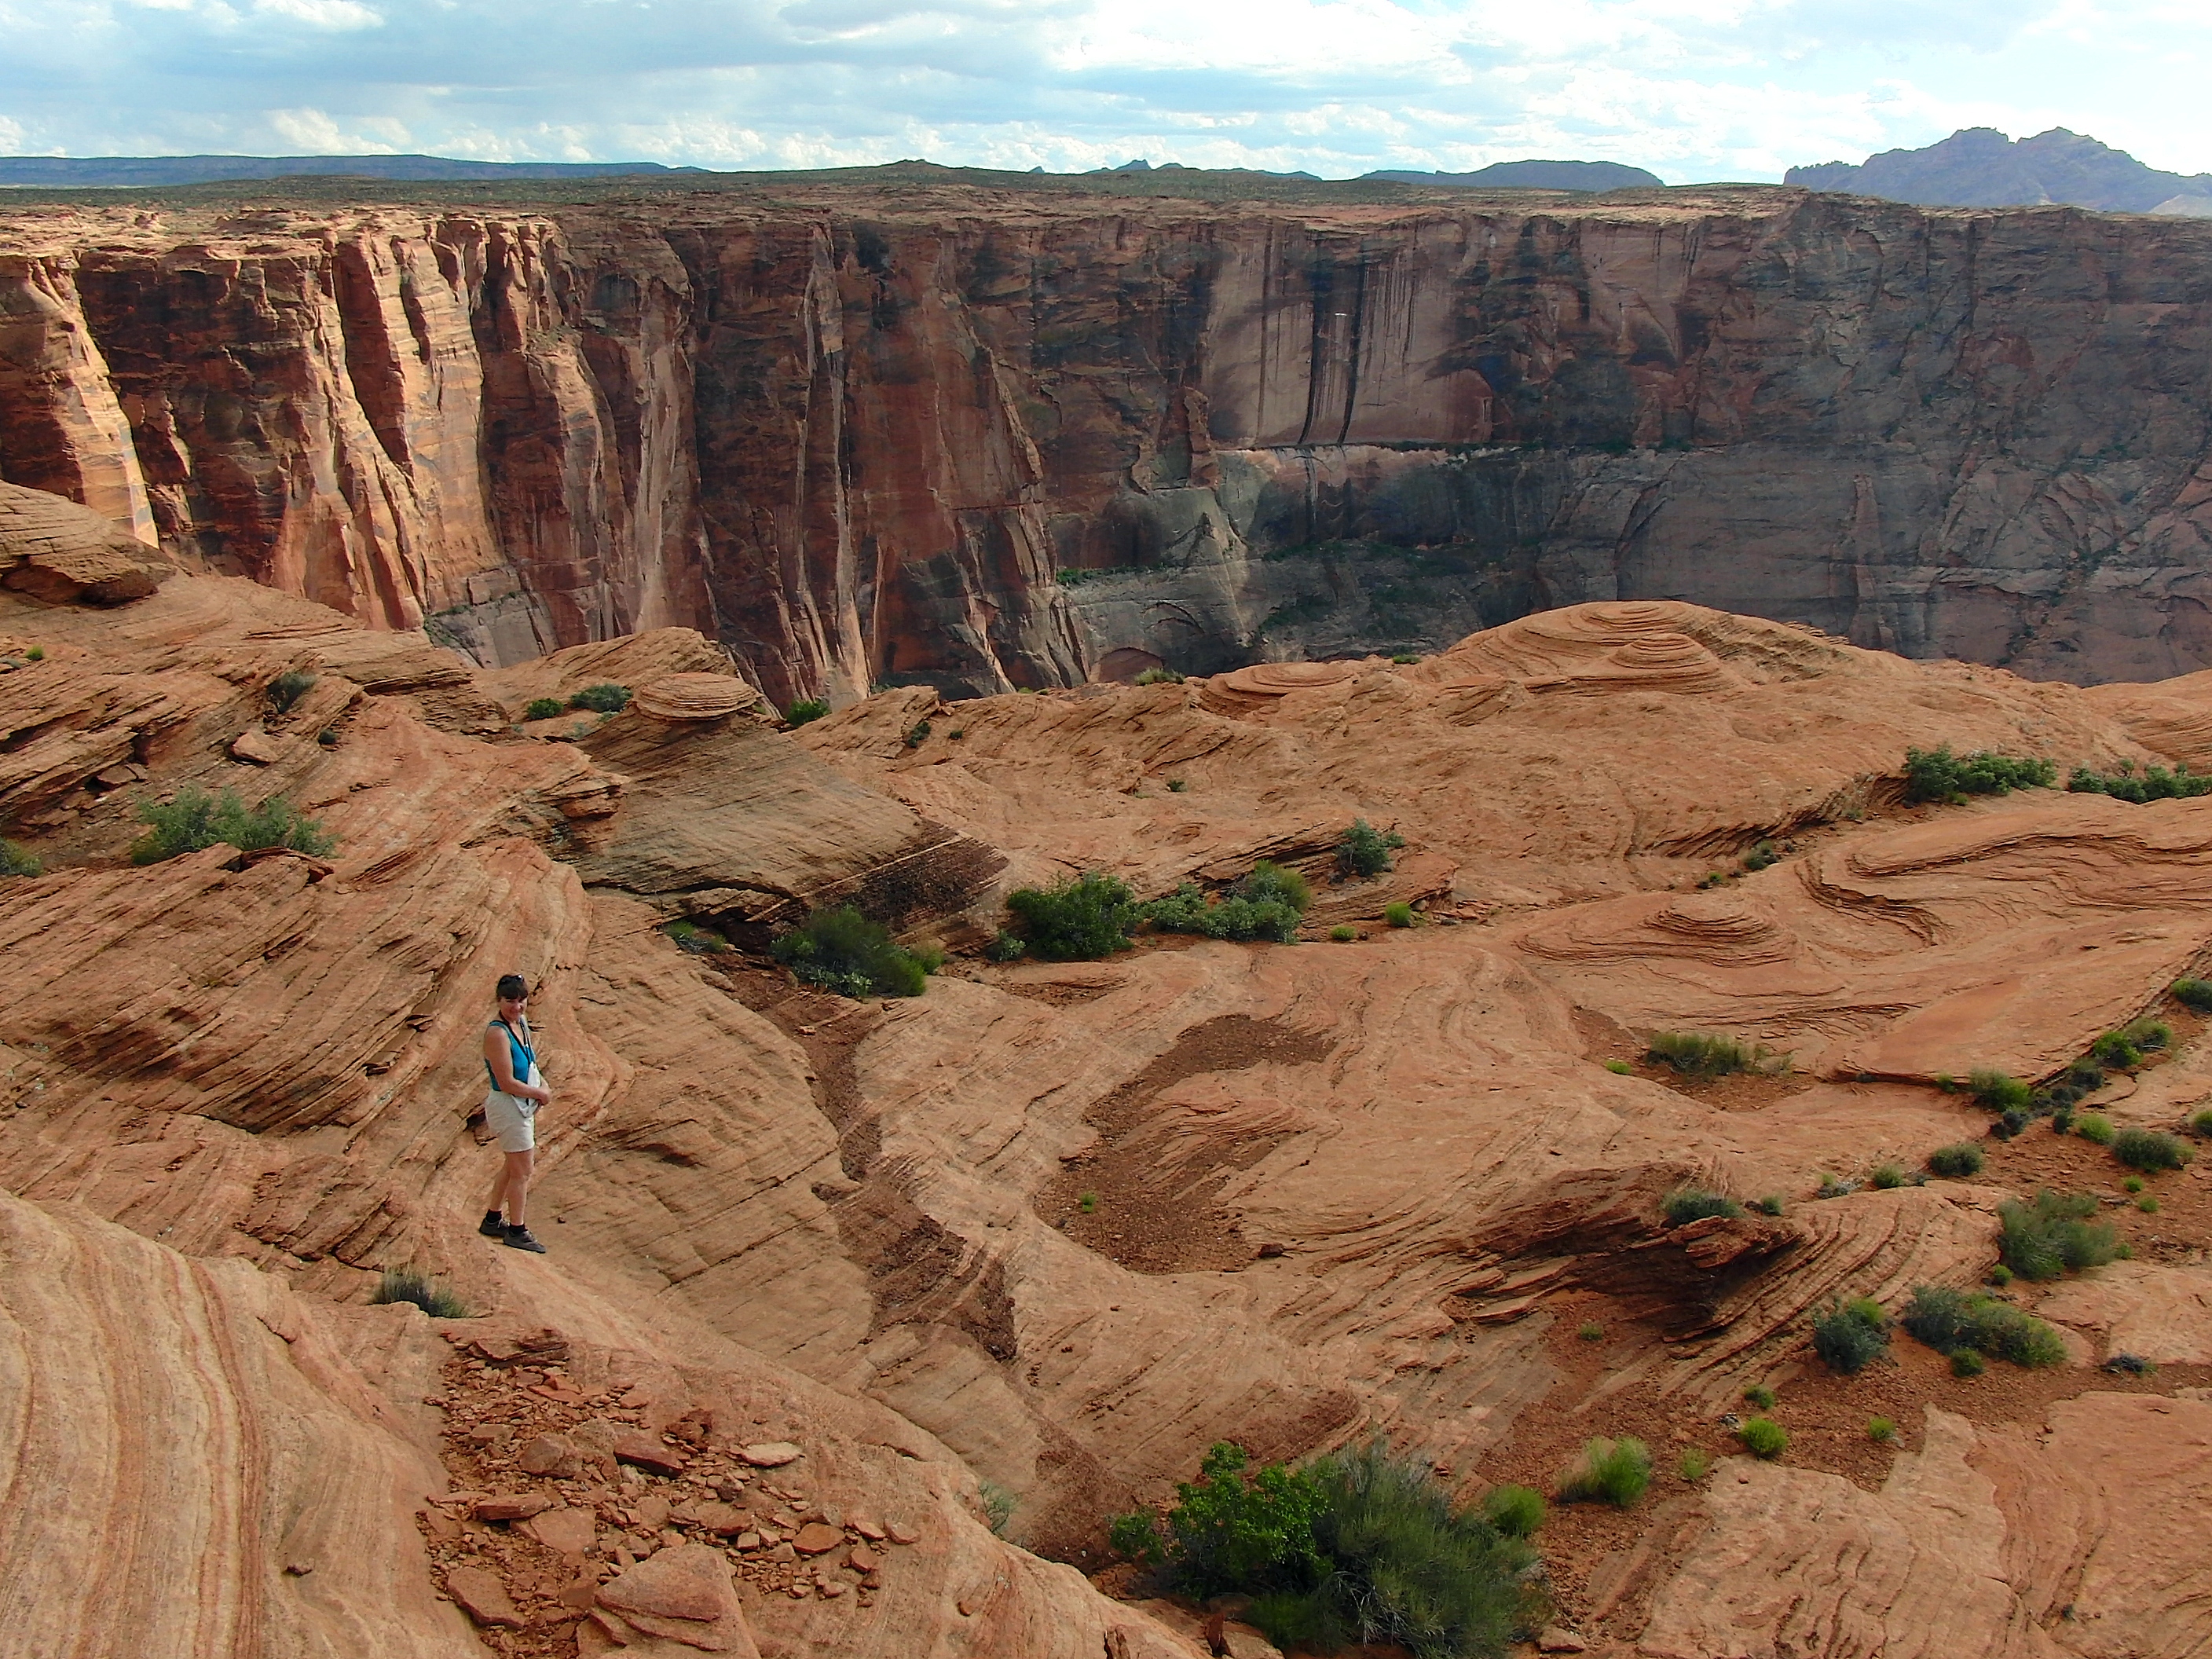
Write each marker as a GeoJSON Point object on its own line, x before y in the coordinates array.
{"type": "Point", "coordinates": [1937, 774]}
{"type": "Point", "coordinates": [1848, 1336]}
{"type": "Point", "coordinates": [1354, 1546]}
{"type": "Point", "coordinates": [18, 861]}
{"type": "Point", "coordinates": [192, 820]}
{"type": "Point", "coordinates": [1615, 1471]}
{"type": "Point", "coordinates": [842, 951]}
{"type": "Point", "coordinates": [1954, 1322]}
{"type": "Point", "coordinates": [288, 687]}
{"type": "Point", "coordinates": [1705, 1056]}
{"type": "Point", "coordinates": [2152, 783]}
{"type": "Point", "coordinates": [405, 1284]}
{"type": "Point", "coordinates": [1365, 851]}
{"type": "Point", "coordinates": [1687, 1204]}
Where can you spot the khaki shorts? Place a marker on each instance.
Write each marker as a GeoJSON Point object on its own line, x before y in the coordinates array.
{"type": "Point", "coordinates": [515, 1121]}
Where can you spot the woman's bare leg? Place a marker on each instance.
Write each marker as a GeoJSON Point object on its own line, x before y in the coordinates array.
{"type": "Point", "coordinates": [514, 1182]}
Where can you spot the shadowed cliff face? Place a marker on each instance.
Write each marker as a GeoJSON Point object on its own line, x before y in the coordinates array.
{"type": "Point", "coordinates": [985, 440]}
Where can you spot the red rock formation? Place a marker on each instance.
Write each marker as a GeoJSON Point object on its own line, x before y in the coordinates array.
{"type": "Point", "coordinates": [856, 436]}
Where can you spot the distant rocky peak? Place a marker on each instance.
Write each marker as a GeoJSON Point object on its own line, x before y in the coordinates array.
{"type": "Point", "coordinates": [1980, 167]}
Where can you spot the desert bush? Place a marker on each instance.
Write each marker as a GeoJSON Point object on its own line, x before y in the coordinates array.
{"type": "Point", "coordinates": [1176, 786]}
{"type": "Point", "coordinates": [1343, 933]}
{"type": "Point", "coordinates": [2086, 1075]}
{"type": "Point", "coordinates": [1365, 851]}
{"type": "Point", "coordinates": [605, 698]}
{"type": "Point", "coordinates": [1696, 1463]}
{"type": "Point", "coordinates": [2000, 1275]}
{"type": "Point", "coordinates": [700, 941]}
{"type": "Point", "coordinates": [1760, 1397]}
{"type": "Point", "coordinates": [15, 860]}
{"type": "Point", "coordinates": [1888, 1177]}
{"type": "Point", "coordinates": [1848, 1336]}
{"type": "Point", "coordinates": [2094, 1127]}
{"type": "Point", "coordinates": [1616, 1472]}
{"type": "Point", "coordinates": [1770, 1205]}
{"type": "Point", "coordinates": [1965, 1362]}
{"type": "Point", "coordinates": [2131, 1364]}
{"type": "Point", "coordinates": [1700, 1054]}
{"type": "Point", "coordinates": [192, 819]}
{"type": "Point", "coordinates": [2115, 1051]}
{"type": "Point", "coordinates": [2147, 1034]}
{"type": "Point", "coordinates": [403, 1285]}
{"type": "Point", "coordinates": [2044, 1239]}
{"type": "Point", "coordinates": [1398, 916]}
{"type": "Point", "coordinates": [1622, 1068]}
{"type": "Point", "coordinates": [2000, 1091]}
{"type": "Point", "coordinates": [1273, 883]}
{"type": "Point", "coordinates": [1687, 1204]}
{"type": "Point", "coordinates": [2132, 1184]}
{"type": "Point", "coordinates": [2201, 1123]}
{"type": "Point", "coordinates": [1835, 1186]}
{"type": "Point", "coordinates": [2011, 1123]}
{"type": "Point", "coordinates": [1357, 1546]}
{"type": "Point", "coordinates": [1077, 919]}
{"type": "Point", "coordinates": [1764, 1437]}
{"type": "Point", "coordinates": [1159, 677]}
{"type": "Point", "coordinates": [1188, 910]}
{"type": "Point", "coordinates": [842, 950]}
{"type": "Point", "coordinates": [1761, 857]}
{"type": "Point", "coordinates": [1516, 1511]}
{"type": "Point", "coordinates": [1591, 1331]}
{"type": "Point", "coordinates": [916, 735]}
{"type": "Point", "coordinates": [2152, 783]}
{"type": "Point", "coordinates": [2150, 1148]}
{"type": "Point", "coordinates": [1949, 1320]}
{"type": "Point", "coordinates": [1937, 774]}
{"type": "Point", "coordinates": [36, 653]}
{"type": "Point", "coordinates": [806, 709]}
{"type": "Point", "coordinates": [1004, 948]}
{"type": "Point", "coordinates": [543, 709]}
{"type": "Point", "coordinates": [1881, 1429]}
{"type": "Point", "coordinates": [2062, 1121]}
{"type": "Point", "coordinates": [2148, 1204]}
{"type": "Point", "coordinates": [2194, 994]}
{"type": "Point", "coordinates": [288, 687]}
{"type": "Point", "coordinates": [1957, 1161]}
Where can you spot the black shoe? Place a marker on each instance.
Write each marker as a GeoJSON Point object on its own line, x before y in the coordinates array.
{"type": "Point", "coordinates": [522, 1238]}
{"type": "Point", "coordinates": [493, 1225]}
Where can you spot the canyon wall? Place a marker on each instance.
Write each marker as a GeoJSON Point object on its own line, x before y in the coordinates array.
{"type": "Point", "coordinates": [985, 440]}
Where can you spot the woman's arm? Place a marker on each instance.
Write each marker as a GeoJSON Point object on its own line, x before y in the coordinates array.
{"type": "Point", "coordinates": [500, 1058]}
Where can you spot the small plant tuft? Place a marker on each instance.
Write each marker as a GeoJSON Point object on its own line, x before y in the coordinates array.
{"type": "Point", "coordinates": [842, 951]}
{"type": "Point", "coordinates": [1591, 1331]}
{"type": "Point", "coordinates": [2056, 1233]}
{"type": "Point", "coordinates": [2194, 994]}
{"type": "Point", "coordinates": [1687, 1204]}
{"type": "Point", "coordinates": [700, 941]}
{"type": "Point", "coordinates": [1761, 1396]}
{"type": "Point", "coordinates": [1770, 1205]}
{"type": "Point", "coordinates": [1700, 1054]}
{"type": "Point", "coordinates": [1087, 1202]}
{"type": "Point", "coordinates": [1957, 1161]}
{"type": "Point", "coordinates": [36, 653]}
{"type": "Point", "coordinates": [1950, 1321]}
{"type": "Point", "coordinates": [2151, 1149]}
{"type": "Point", "coordinates": [1881, 1429]}
{"type": "Point", "coordinates": [1516, 1511]}
{"type": "Point", "coordinates": [2000, 1091]}
{"type": "Point", "coordinates": [1159, 677]}
{"type": "Point", "coordinates": [18, 860]}
{"type": "Point", "coordinates": [1616, 1472]}
{"type": "Point", "coordinates": [1848, 1336]}
{"type": "Point", "coordinates": [1004, 948]}
{"type": "Point", "coordinates": [2096, 1128]}
{"type": "Point", "coordinates": [1399, 915]}
{"type": "Point", "coordinates": [1177, 786]}
{"type": "Point", "coordinates": [1696, 1463]}
{"type": "Point", "coordinates": [288, 687]}
{"type": "Point", "coordinates": [543, 709]}
{"type": "Point", "coordinates": [2000, 1276]}
{"type": "Point", "coordinates": [1620, 1069]}
{"type": "Point", "coordinates": [1365, 851]}
{"type": "Point", "coordinates": [1343, 933]}
{"type": "Point", "coordinates": [2148, 1204]}
{"type": "Point", "coordinates": [2131, 1364]}
{"type": "Point", "coordinates": [605, 698]}
{"type": "Point", "coordinates": [403, 1285]}
{"type": "Point", "coordinates": [1764, 1437]}
{"type": "Point", "coordinates": [1888, 1177]}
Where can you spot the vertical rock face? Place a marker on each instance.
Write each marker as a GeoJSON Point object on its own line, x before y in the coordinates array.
{"type": "Point", "coordinates": [993, 440]}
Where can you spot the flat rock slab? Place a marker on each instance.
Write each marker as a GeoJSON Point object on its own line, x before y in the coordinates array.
{"type": "Point", "coordinates": [570, 1531]}
{"type": "Point", "coordinates": [647, 1453]}
{"type": "Point", "coordinates": [683, 1594]}
{"type": "Point", "coordinates": [771, 1453]}
{"type": "Point", "coordinates": [482, 1597]}
{"type": "Point", "coordinates": [512, 1506]}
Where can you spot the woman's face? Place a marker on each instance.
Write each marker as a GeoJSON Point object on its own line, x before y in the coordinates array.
{"type": "Point", "coordinates": [514, 1008]}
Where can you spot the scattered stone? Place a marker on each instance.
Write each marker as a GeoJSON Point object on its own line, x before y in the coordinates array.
{"type": "Point", "coordinates": [256, 747]}
{"type": "Point", "coordinates": [899, 1532]}
{"type": "Point", "coordinates": [749, 1541]}
{"type": "Point", "coordinates": [684, 1593]}
{"type": "Point", "coordinates": [815, 1538]}
{"type": "Point", "coordinates": [862, 1558]}
{"type": "Point", "coordinates": [482, 1597]}
{"type": "Point", "coordinates": [512, 1506]}
{"type": "Point", "coordinates": [868, 1526]}
{"type": "Point", "coordinates": [645, 1452]}
{"type": "Point", "coordinates": [771, 1453]}
{"type": "Point", "coordinates": [550, 1454]}
{"type": "Point", "coordinates": [567, 1531]}
{"type": "Point", "coordinates": [1555, 1640]}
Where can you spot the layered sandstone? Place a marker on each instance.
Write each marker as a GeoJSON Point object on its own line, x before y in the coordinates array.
{"type": "Point", "coordinates": [986, 440]}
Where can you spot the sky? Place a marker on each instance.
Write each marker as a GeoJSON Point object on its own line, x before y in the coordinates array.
{"type": "Point", "coordinates": [1695, 90]}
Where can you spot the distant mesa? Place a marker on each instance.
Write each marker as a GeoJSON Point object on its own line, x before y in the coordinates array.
{"type": "Point", "coordinates": [65, 171]}
{"type": "Point", "coordinates": [1536, 175]}
{"type": "Point", "coordinates": [1980, 167]}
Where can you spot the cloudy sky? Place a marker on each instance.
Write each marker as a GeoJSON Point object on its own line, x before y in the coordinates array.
{"type": "Point", "coordinates": [1693, 89]}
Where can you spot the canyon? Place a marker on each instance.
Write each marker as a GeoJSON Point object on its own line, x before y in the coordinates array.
{"type": "Point", "coordinates": [929, 433]}
{"type": "Point", "coordinates": [862, 1315]}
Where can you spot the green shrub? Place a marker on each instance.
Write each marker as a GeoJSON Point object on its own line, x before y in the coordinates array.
{"type": "Point", "coordinates": [1404, 658]}
{"type": "Point", "coordinates": [192, 819]}
{"type": "Point", "coordinates": [1399, 915]}
{"type": "Point", "coordinates": [1764, 1437]}
{"type": "Point", "coordinates": [2000, 1091]}
{"type": "Point", "coordinates": [2148, 1205]}
{"type": "Point", "coordinates": [1004, 948]}
{"type": "Point", "coordinates": [1834, 1187]}
{"type": "Point", "coordinates": [1881, 1429]}
{"type": "Point", "coordinates": [605, 698]}
{"type": "Point", "coordinates": [1271, 883]}
{"type": "Point", "coordinates": [1356, 1546]}
{"type": "Point", "coordinates": [2152, 783]}
{"type": "Point", "coordinates": [1957, 1161]}
{"type": "Point", "coordinates": [1343, 933]}
{"type": "Point", "coordinates": [16, 860]}
{"type": "Point", "coordinates": [1159, 677]}
{"type": "Point", "coordinates": [1948, 1320]}
{"type": "Point", "coordinates": [1696, 1463]}
{"type": "Point", "coordinates": [2094, 1127]}
{"type": "Point", "coordinates": [1616, 1472]}
{"type": "Point", "coordinates": [402, 1285]}
{"type": "Point", "coordinates": [2194, 994]}
{"type": "Point", "coordinates": [2201, 1123]}
{"type": "Point", "coordinates": [1591, 1331]}
{"type": "Point", "coordinates": [916, 735]}
{"type": "Point", "coordinates": [1514, 1511]}
{"type": "Point", "coordinates": [1699, 1054]}
{"type": "Point", "coordinates": [806, 709]}
{"type": "Point", "coordinates": [1937, 774]}
{"type": "Point", "coordinates": [2062, 1121]}
{"type": "Point", "coordinates": [1620, 1069]}
{"type": "Point", "coordinates": [842, 950]}
{"type": "Point", "coordinates": [2148, 1034]}
{"type": "Point", "coordinates": [2000, 1275]}
{"type": "Point", "coordinates": [1761, 857]}
{"type": "Point", "coordinates": [1365, 850]}
{"type": "Point", "coordinates": [700, 941]}
{"type": "Point", "coordinates": [1077, 919]}
{"type": "Point", "coordinates": [1188, 910]}
{"type": "Point", "coordinates": [1965, 1362]}
{"type": "Point", "coordinates": [543, 709]}
{"type": "Point", "coordinates": [36, 653]}
{"type": "Point", "coordinates": [1848, 1336]}
{"type": "Point", "coordinates": [1687, 1204]}
{"type": "Point", "coordinates": [2150, 1148]}
{"type": "Point", "coordinates": [288, 687]}
{"type": "Point", "coordinates": [2115, 1051]}
{"type": "Point", "coordinates": [2043, 1240]}
{"type": "Point", "coordinates": [1176, 786]}
{"type": "Point", "coordinates": [1770, 1205]}
{"type": "Point", "coordinates": [1888, 1177]}
{"type": "Point", "coordinates": [1761, 1396]}
{"type": "Point", "coordinates": [2086, 1075]}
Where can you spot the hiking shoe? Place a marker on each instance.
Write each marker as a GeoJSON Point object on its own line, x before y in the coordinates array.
{"type": "Point", "coordinates": [493, 1225]}
{"type": "Point", "coordinates": [522, 1238]}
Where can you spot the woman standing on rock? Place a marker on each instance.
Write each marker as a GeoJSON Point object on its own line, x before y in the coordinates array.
{"type": "Point", "coordinates": [510, 1055]}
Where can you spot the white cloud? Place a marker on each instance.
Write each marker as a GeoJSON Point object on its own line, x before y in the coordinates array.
{"type": "Point", "coordinates": [1694, 89]}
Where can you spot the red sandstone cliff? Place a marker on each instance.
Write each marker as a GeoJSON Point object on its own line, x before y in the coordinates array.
{"type": "Point", "coordinates": [858, 437]}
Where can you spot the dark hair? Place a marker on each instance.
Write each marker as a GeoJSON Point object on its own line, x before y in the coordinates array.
{"type": "Point", "coordinates": [512, 987]}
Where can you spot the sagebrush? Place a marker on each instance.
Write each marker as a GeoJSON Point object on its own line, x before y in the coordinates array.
{"type": "Point", "coordinates": [2058, 1231]}
{"type": "Point", "coordinates": [1616, 1472]}
{"type": "Point", "coordinates": [192, 820]}
{"type": "Point", "coordinates": [1077, 919]}
{"type": "Point", "coordinates": [842, 950]}
{"type": "Point", "coordinates": [1954, 1322]}
{"type": "Point", "coordinates": [403, 1285]}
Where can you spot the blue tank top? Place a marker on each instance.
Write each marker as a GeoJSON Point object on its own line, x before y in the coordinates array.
{"type": "Point", "coordinates": [523, 1055]}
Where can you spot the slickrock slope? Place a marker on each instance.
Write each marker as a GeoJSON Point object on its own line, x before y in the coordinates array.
{"type": "Point", "coordinates": [1057, 1227]}
{"type": "Point", "coordinates": [983, 439]}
